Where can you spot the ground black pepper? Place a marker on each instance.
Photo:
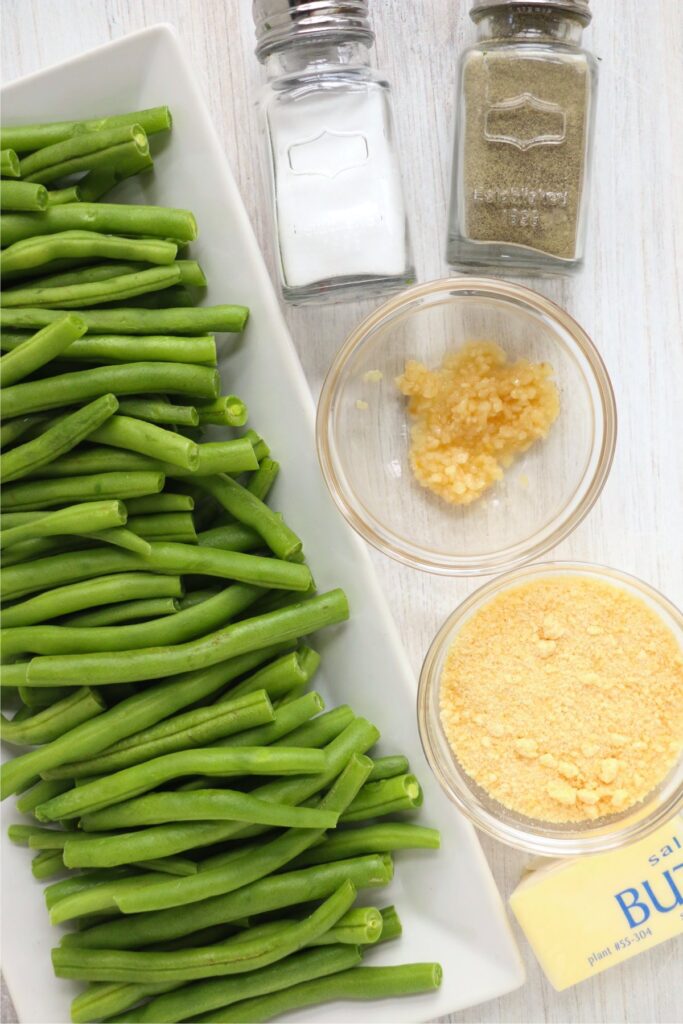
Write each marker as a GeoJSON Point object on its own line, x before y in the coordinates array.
{"type": "Point", "coordinates": [524, 149]}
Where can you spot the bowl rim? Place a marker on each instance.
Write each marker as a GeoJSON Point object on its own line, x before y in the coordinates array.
{"type": "Point", "coordinates": [515, 555]}
{"type": "Point", "coordinates": [513, 833]}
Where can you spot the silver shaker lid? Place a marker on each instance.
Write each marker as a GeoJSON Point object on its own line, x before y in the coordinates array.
{"type": "Point", "coordinates": [579, 8]}
{"type": "Point", "coordinates": [280, 21]}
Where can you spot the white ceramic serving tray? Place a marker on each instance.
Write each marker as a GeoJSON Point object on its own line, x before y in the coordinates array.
{"type": "Point", "coordinates": [447, 900]}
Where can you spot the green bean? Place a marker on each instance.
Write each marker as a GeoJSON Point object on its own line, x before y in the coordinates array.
{"type": "Point", "coordinates": [110, 218]}
{"type": "Point", "coordinates": [77, 883]}
{"type": "Point", "coordinates": [121, 379]}
{"type": "Point", "coordinates": [42, 791]}
{"type": "Point", "coordinates": [122, 538]}
{"type": "Point", "coordinates": [401, 793]}
{"type": "Point", "coordinates": [126, 611]}
{"type": "Point", "coordinates": [286, 720]}
{"type": "Point", "coordinates": [373, 839]}
{"type": "Point", "coordinates": [158, 411]}
{"type": "Point", "coordinates": [103, 591]}
{"type": "Point", "coordinates": [52, 839]}
{"type": "Point", "coordinates": [28, 550]}
{"type": "Point", "coordinates": [238, 638]}
{"type": "Point", "coordinates": [20, 834]}
{"type": "Point", "coordinates": [58, 439]}
{"type": "Point", "coordinates": [392, 927]}
{"type": "Point", "coordinates": [249, 569]}
{"type": "Point", "coordinates": [12, 430]}
{"type": "Point", "coordinates": [166, 840]}
{"type": "Point", "coordinates": [44, 249]}
{"type": "Point", "coordinates": [47, 863]}
{"type": "Point", "coordinates": [231, 537]}
{"type": "Point", "coordinates": [154, 503]}
{"type": "Point", "coordinates": [197, 596]}
{"type": "Point", "coordinates": [90, 517]}
{"type": "Point", "coordinates": [389, 767]}
{"type": "Point", "coordinates": [280, 676]}
{"type": "Point", "coordinates": [77, 153]}
{"type": "Point", "coordinates": [42, 697]}
{"type": "Point", "coordinates": [268, 894]}
{"type": "Point", "coordinates": [127, 348]}
{"type": "Point", "coordinates": [135, 152]}
{"type": "Point", "coordinates": [178, 296]}
{"type": "Point", "coordinates": [147, 439]}
{"type": "Point", "coordinates": [129, 716]}
{"type": "Point", "coordinates": [123, 164]}
{"type": "Point", "coordinates": [186, 624]}
{"type": "Point", "coordinates": [22, 195]}
{"type": "Point", "coordinates": [79, 707]}
{"type": "Point", "coordinates": [356, 983]}
{"type": "Point", "coordinates": [173, 558]}
{"type": "Point", "coordinates": [191, 729]}
{"type": "Point", "coordinates": [88, 273]}
{"type": "Point", "coordinates": [40, 350]}
{"type": "Point", "coordinates": [204, 996]}
{"type": "Point", "coordinates": [248, 509]}
{"type": "Point", "coordinates": [200, 320]}
{"type": "Point", "coordinates": [165, 526]}
{"type": "Point", "coordinates": [27, 137]}
{"type": "Point", "coordinates": [71, 194]}
{"type": "Point", "coordinates": [181, 867]}
{"type": "Point", "coordinates": [226, 411]}
{"type": "Point", "coordinates": [263, 479]}
{"type": "Point", "coordinates": [251, 866]}
{"type": "Point", "coordinates": [320, 731]}
{"type": "Point", "coordinates": [42, 494]}
{"type": "Point", "coordinates": [9, 163]}
{"type": "Point", "coordinates": [206, 805]}
{"type": "Point", "coordinates": [77, 296]}
{"type": "Point", "coordinates": [133, 781]}
{"type": "Point", "coordinates": [261, 449]}
{"type": "Point", "coordinates": [235, 456]}
{"type": "Point", "coordinates": [360, 926]}
{"type": "Point", "coordinates": [232, 957]}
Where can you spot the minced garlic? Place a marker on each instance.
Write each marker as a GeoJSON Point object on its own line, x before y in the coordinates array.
{"type": "Point", "coordinates": [473, 415]}
{"type": "Point", "coordinates": [577, 731]}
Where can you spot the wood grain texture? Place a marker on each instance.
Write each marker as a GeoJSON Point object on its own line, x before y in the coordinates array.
{"type": "Point", "coordinates": [628, 297]}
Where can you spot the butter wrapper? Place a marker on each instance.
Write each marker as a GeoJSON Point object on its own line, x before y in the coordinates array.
{"type": "Point", "coordinates": [584, 915]}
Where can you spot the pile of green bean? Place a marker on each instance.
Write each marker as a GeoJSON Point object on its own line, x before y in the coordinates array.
{"type": "Point", "coordinates": [155, 608]}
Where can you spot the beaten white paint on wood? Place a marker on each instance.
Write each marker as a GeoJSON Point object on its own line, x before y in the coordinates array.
{"type": "Point", "coordinates": [629, 297]}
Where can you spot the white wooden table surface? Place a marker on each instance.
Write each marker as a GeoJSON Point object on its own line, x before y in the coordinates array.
{"type": "Point", "coordinates": [629, 298]}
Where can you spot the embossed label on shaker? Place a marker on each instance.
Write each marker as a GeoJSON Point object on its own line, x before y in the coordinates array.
{"type": "Point", "coordinates": [328, 154]}
{"type": "Point", "coordinates": [525, 121]}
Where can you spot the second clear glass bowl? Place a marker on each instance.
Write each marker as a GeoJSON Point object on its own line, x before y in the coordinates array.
{"type": "Point", "coordinates": [363, 431]}
{"type": "Point", "coordinates": [487, 813]}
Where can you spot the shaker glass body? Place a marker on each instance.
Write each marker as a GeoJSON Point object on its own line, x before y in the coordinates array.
{"type": "Point", "coordinates": [522, 149]}
{"type": "Point", "coordinates": [340, 216]}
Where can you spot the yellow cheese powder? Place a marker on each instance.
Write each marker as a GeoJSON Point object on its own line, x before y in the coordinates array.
{"type": "Point", "coordinates": [563, 698]}
{"type": "Point", "coordinates": [473, 415]}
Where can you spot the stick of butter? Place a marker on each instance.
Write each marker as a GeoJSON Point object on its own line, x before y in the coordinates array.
{"type": "Point", "coordinates": [584, 915]}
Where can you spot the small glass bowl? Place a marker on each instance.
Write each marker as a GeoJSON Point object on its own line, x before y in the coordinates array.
{"type": "Point", "coordinates": [363, 429]}
{"type": "Point", "coordinates": [532, 835]}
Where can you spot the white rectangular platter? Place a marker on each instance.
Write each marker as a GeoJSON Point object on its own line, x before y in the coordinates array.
{"type": "Point", "coordinates": [449, 905]}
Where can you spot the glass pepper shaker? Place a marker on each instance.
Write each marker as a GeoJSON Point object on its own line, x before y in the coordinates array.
{"type": "Point", "coordinates": [340, 216]}
{"type": "Point", "coordinates": [523, 140]}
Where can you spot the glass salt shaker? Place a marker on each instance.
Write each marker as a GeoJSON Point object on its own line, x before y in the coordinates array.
{"type": "Point", "coordinates": [340, 217]}
{"type": "Point", "coordinates": [524, 137]}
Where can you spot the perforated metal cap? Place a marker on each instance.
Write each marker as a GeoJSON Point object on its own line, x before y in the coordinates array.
{"type": "Point", "coordinates": [278, 22]}
{"type": "Point", "coordinates": [579, 8]}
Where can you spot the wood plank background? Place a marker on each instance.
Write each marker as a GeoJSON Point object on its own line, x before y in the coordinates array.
{"type": "Point", "coordinates": [628, 297]}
